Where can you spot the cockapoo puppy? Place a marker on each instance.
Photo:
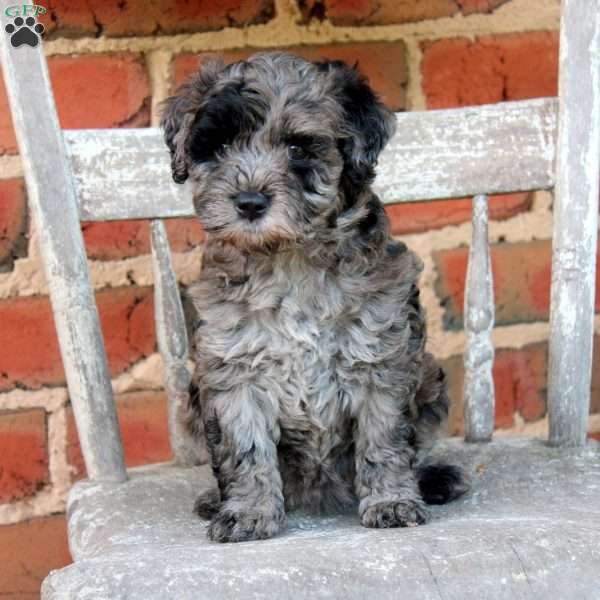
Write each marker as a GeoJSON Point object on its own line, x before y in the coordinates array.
{"type": "Point", "coordinates": [312, 385]}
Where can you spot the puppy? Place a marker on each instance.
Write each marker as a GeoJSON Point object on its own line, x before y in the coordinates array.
{"type": "Point", "coordinates": [312, 386]}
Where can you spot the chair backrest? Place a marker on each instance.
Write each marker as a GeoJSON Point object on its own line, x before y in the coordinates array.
{"type": "Point", "coordinates": [125, 174]}
{"type": "Point", "coordinates": [97, 175]}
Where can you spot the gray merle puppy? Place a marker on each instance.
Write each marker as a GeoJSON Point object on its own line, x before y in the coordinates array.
{"type": "Point", "coordinates": [312, 385]}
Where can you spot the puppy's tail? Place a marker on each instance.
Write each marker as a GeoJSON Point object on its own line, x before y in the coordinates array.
{"type": "Point", "coordinates": [440, 483]}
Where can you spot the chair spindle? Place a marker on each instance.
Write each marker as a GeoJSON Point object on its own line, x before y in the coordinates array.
{"type": "Point", "coordinates": [479, 321]}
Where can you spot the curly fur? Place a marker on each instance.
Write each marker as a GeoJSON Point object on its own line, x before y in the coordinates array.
{"type": "Point", "coordinates": [312, 385]}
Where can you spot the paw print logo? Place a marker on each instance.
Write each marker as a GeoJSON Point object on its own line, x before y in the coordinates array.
{"type": "Point", "coordinates": [24, 31]}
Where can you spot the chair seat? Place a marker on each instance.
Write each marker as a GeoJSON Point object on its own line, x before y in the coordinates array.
{"type": "Point", "coordinates": [529, 528]}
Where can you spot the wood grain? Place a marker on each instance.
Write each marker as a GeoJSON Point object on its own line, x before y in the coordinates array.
{"type": "Point", "coordinates": [575, 224]}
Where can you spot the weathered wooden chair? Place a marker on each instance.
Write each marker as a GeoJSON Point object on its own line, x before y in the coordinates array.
{"type": "Point", "coordinates": [531, 525]}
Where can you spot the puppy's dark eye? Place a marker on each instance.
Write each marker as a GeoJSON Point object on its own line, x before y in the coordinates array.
{"type": "Point", "coordinates": [224, 147]}
{"type": "Point", "coordinates": [296, 152]}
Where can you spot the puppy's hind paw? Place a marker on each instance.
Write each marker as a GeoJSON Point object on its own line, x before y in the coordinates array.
{"type": "Point", "coordinates": [394, 513]}
{"type": "Point", "coordinates": [208, 503]}
{"type": "Point", "coordinates": [244, 525]}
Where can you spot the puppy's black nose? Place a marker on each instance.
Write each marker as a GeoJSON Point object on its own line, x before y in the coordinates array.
{"type": "Point", "coordinates": [251, 205]}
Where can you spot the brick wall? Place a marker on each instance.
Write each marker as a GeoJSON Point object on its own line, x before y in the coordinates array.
{"type": "Point", "coordinates": [111, 64]}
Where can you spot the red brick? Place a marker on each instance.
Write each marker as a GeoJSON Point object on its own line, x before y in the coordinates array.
{"type": "Point", "coordinates": [127, 319]}
{"type": "Point", "coordinates": [185, 65]}
{"type": "Point", "coordinates": [28, 552]}
{"type": "Point", "coordinates": [103, 90]}
{"type": "Point", "coordinates": [386, 12]}
{"type": "Point", "coordinates": [13, 222]}
{"type": "Point", "coordinates": [521, 282]}
{"type": "Point", "coordinates": [461, 72]}
{"type": "Point", "coordinates": [124, 239]}
{"type": "Point", "coordinates": [143, 420]}
{"type": "Point", "coordinates": [384, 63]}
{"type": "Point", "coordinates": [415, 217]}
{"type": "Point", "coordinates": [519, 383]}
{"type": "Point", "coordinates": [24, 456]}
{"type": "Point", "coordinates": [469, 7]}
{"type": "Point", "coordinates": [138, 17]}
{"type": "Point", "coordinates": [116, 240]}
{"type": "Point", "coordinates": [126, 316]}
{"type": "Point", "coordinates": [455, 378]}
{"type": "Point", "coordinates": [92, 91]}
{"type": "Point", "coordinates": [184, 234]}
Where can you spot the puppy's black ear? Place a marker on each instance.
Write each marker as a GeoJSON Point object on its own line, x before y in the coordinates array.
{"type": "Point", "coordinates": [179, 112]}
{"type": "Point", "coordinates": [368, 123]}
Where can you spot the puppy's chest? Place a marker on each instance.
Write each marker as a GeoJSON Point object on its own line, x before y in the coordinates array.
{"type": "Point", "coordinates": [305, 351]}
{"type": "Point", "coordinates": [295, 330]}
{"type": "Point", "coordinates": [302, 317]}
{"type": "Point", "coordinates": [291, 330]}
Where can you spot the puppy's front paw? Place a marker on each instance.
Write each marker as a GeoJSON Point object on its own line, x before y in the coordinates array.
{"type": "Point", "coordinates": [245, 524]}
{"type": "Point", "coordinates": [394, 513]}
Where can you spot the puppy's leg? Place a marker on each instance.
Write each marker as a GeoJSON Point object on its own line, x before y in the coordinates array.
{"type": "Point", "coordinates": [244, 460]}
{"type": "Point", "coordinates": [385, 481]}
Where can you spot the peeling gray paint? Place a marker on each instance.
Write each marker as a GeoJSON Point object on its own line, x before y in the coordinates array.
{"type": "Point", "coordinates": [125, 174]}
{"type": "Point", "coordinates": [530, 528]}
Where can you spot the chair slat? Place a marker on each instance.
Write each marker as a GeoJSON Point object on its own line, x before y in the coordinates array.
{"type": "Point", "coordinates": [172, 341]}
{"type": "Point", "coordinates": [51, 196]}
{"type": "Point", "coordinates": [460, 152]}
{"type": "Point", "coordinates": [575, 224]}
{"type": "Point", "coordinates": [124, 174]}
{"type": "Point", "coordinates": [479, 321]}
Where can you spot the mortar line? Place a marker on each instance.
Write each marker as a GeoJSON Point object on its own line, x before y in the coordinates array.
{"type": "Point", "coordinates": [158, 65]}
{"type": "Point", "coordinates": [415, 98]}
{"type": "Point", "coordinates": [58, 465]}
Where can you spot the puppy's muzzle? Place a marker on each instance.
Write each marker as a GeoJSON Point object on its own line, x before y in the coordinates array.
{"type": "Point", "coordinates": [251, 205]}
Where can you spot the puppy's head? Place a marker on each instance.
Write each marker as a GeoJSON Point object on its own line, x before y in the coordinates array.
{"type": "Point", "coordinates": [275, 147]}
